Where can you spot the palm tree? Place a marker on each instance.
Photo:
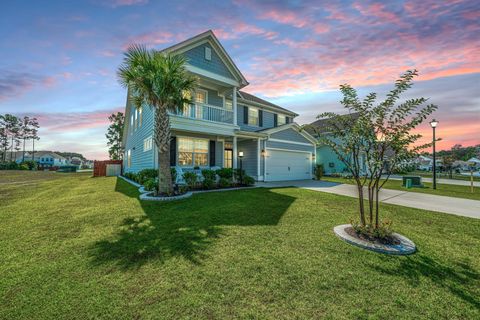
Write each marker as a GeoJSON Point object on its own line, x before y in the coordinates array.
{"type": "Point", "coordinates": [162, 82]}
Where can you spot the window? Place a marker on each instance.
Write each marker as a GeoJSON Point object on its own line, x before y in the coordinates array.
{"type": "Point", "coordinates": [228, 158]}
{"type": "Point", "coordinates": [192, 152]}
{"type": "Point", "coordinates": [208, 53]}
{"type": "Point", "coordinates": [201, 96]}
{"type": "Point", "coordinates": [147, 144]}
{"type": "Point", "coordinates": [140, 116]}
{"type": "Point", "coordinates": [253, 116]}
{"type": "Point", "coordinates": [228, 105]}
{"type": "Point", "coordinates": [281, 119]}
{"type": "Point", "coordinates": [129, 158]}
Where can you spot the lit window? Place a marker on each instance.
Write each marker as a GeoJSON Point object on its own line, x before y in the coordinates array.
{"type": "Point", "coordinates": [208, 53]}
{"type": "Point", "coordinates": [201, 96]}
{"type": "Point", "coordinates": [228, 158]}
{"type": "Point", "coordinates": [253, 116]}
{"type": "Point", "coordinates": [192, 152]}
{"type": "Point", "coordinates": [228, 105]}
{"type": "Point", "coordinates": [147, 144]}
{"type": "Point", "coordinates": [281, 119]}
{"type": "Point", "coordinates": [129, 158]}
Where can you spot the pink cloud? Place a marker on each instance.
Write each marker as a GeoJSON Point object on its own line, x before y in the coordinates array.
{"type": "Point", "coordinates": [239, 29]}
{"type": "Point", "coordinates": [295, 19]}
{"type": "Point", "coordinates": [150, 38]}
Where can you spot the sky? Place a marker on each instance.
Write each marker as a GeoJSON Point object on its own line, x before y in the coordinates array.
{"type": "Point", "coordinates": [59, 58]}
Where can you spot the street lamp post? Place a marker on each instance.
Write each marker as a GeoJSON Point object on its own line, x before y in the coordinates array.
{"type": "Point", "coordinates": [240, 155]}
{"type": "Point", "coordinates": [434, 124]}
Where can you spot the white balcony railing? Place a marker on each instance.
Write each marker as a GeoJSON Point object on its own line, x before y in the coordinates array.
{"type": "Point", "coordinates": [207, 112]}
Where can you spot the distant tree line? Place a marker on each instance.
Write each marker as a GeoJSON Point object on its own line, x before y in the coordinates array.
{"type": "Point", "coordinates": [14, 133]}
{"type": "Point", "coordinates": [458, 152]}
{"type": "Point", "coordinates": [114, 136]}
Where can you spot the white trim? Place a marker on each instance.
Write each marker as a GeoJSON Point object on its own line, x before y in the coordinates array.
{"type": "Point", "coordinates": [234, 160]}
{"type": "Point", "coordinates": [211, 75]}
{"type": "Point", "coordinates": [257, 124]}
{"type": "Point", "coordinates": [292, 142]}
{"type": "Point", "coordinates": [259, 155]}
{"type": "Point", "coordinates": [264, 161]}
{"type": "Point", "coordinates": [264, 106]}
{"type": "Point", "coordinates": [289, 150]}
{"type": "Point", "coordinates": [234, 105]}
{"type": "Point", "coordinates": [202, 126]}
{"type": "Point", "coordinates": [294, 126]}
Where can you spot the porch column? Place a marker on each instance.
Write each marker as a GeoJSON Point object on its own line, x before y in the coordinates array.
{"type": "Point", "coordinates": [234, 152]}
{"type": "Point", "coordinates": [234, 105]}
{"type": "Point", "coordinates": [259, 155]}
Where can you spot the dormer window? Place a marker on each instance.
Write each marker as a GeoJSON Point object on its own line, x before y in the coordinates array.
{"type": "Point", "coordinates": [281, 119]}
{"type": "Point", "coordinates": [208, 53]}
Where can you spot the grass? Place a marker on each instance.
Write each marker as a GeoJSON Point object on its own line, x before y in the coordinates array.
{"type": "Point", "coordinates": [77, 247]}
{"type": "Point", "coordinates": [448, 190]}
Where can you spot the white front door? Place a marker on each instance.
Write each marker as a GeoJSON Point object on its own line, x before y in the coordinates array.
{"type": "Point", "coordinates": [288, 165]}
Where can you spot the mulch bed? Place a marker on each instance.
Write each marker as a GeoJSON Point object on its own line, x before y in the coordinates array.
{"type": "Point", "coordinates": [391, 240]}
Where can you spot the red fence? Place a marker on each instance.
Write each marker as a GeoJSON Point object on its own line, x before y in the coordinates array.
{"type": "Point", "coordinates": [100, 167]}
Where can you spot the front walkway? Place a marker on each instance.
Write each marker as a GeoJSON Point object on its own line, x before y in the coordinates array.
{"type": "Point", "coordinates": [457, 206]}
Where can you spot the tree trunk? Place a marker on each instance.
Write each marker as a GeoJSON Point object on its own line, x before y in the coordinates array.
{"type": "Point", "coordinates": [11, 151]}
{"type": "Point", "coordinates": [376, 207]}
{"type": "Point", "coordinates": [162, 140]}
{"type": "Point", "coordinates": [33, 149]}
{"type": "Point", "coordinates": [23, 152]}
{"type": "Point", "coordinates": [370, 203]}
{"type": "Point", "coordinates": [361, 201]}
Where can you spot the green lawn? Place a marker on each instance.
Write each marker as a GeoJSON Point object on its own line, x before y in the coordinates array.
{"type": "Point", "coordinates": [77, 247]}
{"type": "Point", "coordinates": [443, 175]}
{"type": "Point", "coordinates": [448, 190]}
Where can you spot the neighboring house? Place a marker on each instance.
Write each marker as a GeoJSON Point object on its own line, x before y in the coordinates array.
{"type": "Point", "coordinates": [475, 162]}
{"type": "Point", "coordinates": [325, 155]}
{"type": "Point", "coordinates": [424, 163]}
{"type": "Point", "coordinates": [222, 123]}
{"type": "Point", "coordinates": [45, 159]}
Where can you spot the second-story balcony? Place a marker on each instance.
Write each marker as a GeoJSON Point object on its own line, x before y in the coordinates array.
{"type": "Point", "coordinates": [207, 112]}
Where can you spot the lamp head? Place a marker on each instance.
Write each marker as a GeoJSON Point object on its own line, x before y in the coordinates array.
{"type": "Point", "coordinates": [240, 154]}
{"type": "Point", "coordinates": [434, 123]}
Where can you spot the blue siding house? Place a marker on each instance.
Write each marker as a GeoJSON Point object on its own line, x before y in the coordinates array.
{"type": "Point", "coordinates": [224, 127]}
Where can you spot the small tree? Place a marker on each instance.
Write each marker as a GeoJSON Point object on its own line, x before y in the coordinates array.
{"type": "Point", "coordinates": [380, 133]}
{"type": "Point", "coordinates": [24, 133]}
{"type": "Point", "coordinates": [33, 134]}
{"type": "Point", "coordinates": [4, 144]}
{"type": "Point", "coordinates": [114, 136]}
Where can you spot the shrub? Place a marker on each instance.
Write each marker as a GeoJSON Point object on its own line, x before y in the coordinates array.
{"type": "Point", "coordinates": [190, 178]}
{"type": "Point", "coordinates": [208, 184]}
{"type": "Point", "coordinates": [23, 166]}
{"type": "Point", "coordinates": [130, 176]}
{"type": "Point", "coordinates": [226, 173]}
{"type": "Point", "coordinates": [383, 232]}
{"type": "Point", "coordinates": [32, 165]}
{"type": "Point", "coordinates": [319, 171]}
{"type": "Point", "coordinates": [145, 174]}
{"type": "Point", "coordinates": [12, 165]}
{"type": "Point", "coordinates": [150, 184]}
{"type": "Point", "coordinates": [225, 183]}
{"type": "Point", "coordinates": [248, 181]}
{"type": "Point", "coordinates": [238, 173]}
{"type": "Point", "coordinates": [209, 174]}
{"type": "Point", "coordinates": [174, 174]}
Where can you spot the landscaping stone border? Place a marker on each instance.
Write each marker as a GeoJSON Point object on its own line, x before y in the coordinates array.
{"type": "Point", "coordinates": [405, 247]}
{"type": "Point", "coordinates": [147, 196]}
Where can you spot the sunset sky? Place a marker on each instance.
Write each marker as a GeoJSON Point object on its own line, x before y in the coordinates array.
{"type": "Point", "coordinates": [59, 58]}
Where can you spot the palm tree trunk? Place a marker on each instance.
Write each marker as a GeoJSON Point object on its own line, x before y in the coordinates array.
{"type": "Point", "coordinates": [162, 140]}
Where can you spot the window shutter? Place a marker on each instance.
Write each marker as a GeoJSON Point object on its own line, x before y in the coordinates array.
{"type": "Point", "coordinates": [173, 151]}
{"type": "Point", "coordinates": [260, 118]}
{"type": "Point", "coordinates": [275, 120]}
{"type": "Point", "coordinates": [212, 153]}
{"type": "Point", "coordinates": [245, 115]}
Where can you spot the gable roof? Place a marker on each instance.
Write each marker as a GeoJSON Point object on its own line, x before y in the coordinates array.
{"type": "Point", "coordinates": [210, 37]}
{"type": "Point", "coordinates": [295, 126]}
{"type": "Point", "coordinates": [247, 97]}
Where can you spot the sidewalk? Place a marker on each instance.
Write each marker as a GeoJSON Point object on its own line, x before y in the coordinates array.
{"type": "Point", "coordinates": [456, 206]}
{"type": "Point", "coordinates": [444, 181]}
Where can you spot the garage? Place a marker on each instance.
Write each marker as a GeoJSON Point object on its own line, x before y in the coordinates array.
{"type": "Point", "coordinates": [283, 165]}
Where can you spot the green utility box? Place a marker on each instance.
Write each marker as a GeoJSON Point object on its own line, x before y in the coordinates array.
{"type": "Point", "coordinates": [412, 181]}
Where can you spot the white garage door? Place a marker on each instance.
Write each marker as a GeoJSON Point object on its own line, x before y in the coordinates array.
{"type": "Point", "coordinates": [287, 165]}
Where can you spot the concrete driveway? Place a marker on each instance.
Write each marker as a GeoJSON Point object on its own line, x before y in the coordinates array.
{"type": "Point", "coordinates": [456, 206]}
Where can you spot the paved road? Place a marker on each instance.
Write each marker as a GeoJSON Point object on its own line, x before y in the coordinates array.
{"type": "Point", "coordinates": [456, 206]}
{"type": "Point", "coordinates": [444, 181]}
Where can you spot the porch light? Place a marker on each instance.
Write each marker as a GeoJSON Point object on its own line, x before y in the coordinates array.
{"type": "Point", "coordinates": [264, 153]}
{"type": "Point", "coordinates": [313, 157]}
{"type": "Point", "coordinates": [240, 154]}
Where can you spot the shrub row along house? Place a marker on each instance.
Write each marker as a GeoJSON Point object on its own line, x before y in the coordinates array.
{"type": "Point", "coordinates": [225, 127]}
